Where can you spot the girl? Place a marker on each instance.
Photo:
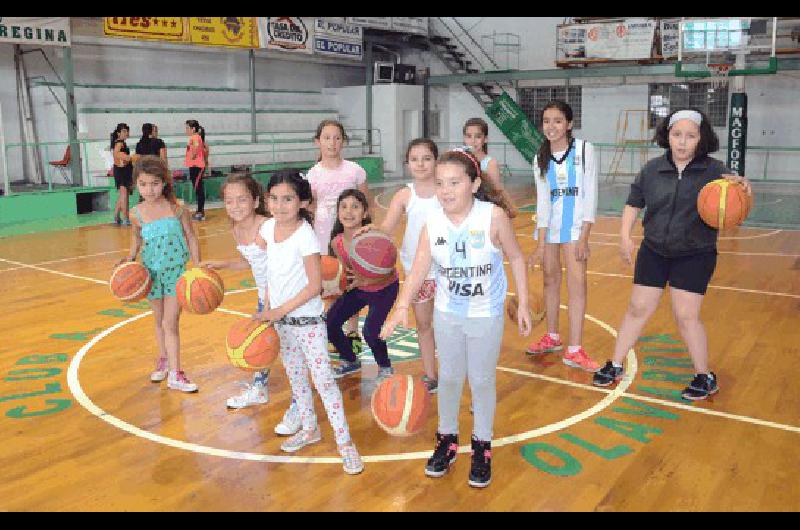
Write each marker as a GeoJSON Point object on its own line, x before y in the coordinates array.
{"type": "Point", "coordinates": [295, 307]}
{"type": "Point", "coordinates": [329, 177]}
{"type": "Point", "coordinates": [151, 144]}
{"type": "Point", "coordinates": [417, 200]}
{"type": "Point", "coordinates": [565, 173]}
{"type": "Point", "coordinates": [476, 137]}
{"type": "Point", "coordinates": [169, 239]}
{"type": "Point", "coordinates": [196, 162]}
{"type": "Point", "coordinates": [123, 172]}
{"type": "Point", "coordinates": [466, 240]}
{"type": "Point", "coordinates": [379, 294]}
{"type": "Point", "coordinates": [678, 247]}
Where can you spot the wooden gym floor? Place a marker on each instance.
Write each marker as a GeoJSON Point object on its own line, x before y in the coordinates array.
{"type": "Point", "coordinates": [84, 429]}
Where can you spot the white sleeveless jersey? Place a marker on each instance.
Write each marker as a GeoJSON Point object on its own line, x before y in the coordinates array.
{"type": "Point", "coordinates": [566, 196]}
{"type": "Point", "coordinates": [417, 212]}
{"type": "Point", "coordinates": [485, 163]}
{"type": "Point", "coordinates": [470, 279]}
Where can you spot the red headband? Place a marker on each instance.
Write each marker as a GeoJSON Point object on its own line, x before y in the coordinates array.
{"type": "Point", "coordinates": [471, 158]}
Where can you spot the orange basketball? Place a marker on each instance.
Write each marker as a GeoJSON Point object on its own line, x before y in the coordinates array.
{"type": "Point", "coordinates": [199, 290]}
{"type": "Point", "coordinates": [373, 254]}
{"type": "Point", "coordinates": [130, 282]}
{"type": "Point", "coordinates": [334, 281]}
{"type": "Point", "coordinates": [252, 345]}
{"type": "Point", "coordinates": [400, 405]}
{"type": "Point", "coordinates": [723, 204]}
{"type": "Point", "coordinates": [535, 303]}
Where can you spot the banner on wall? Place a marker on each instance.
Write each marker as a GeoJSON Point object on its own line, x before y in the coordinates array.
{"type": "Point", "coordinates": [669, 37]}
{"type": "Point", "coordinates": [289, 34]}
{"type": "Point", "coordinates": [511, 119]}
{"type": "Point", "coordinates": [571, 41]}
{"type": "Point", "coordinates": [238, 32]}
{"type": "Point", "coordinates": [371, 22]}
{"type": "Point", "coordinates": [339, 39]}
{"type": "Point", "coordinates": [417, 25]}
{"type": "Point", "coordinates": [52, 31]}
{"type": "Point", "coordinates": [631, 39]}
{"type": "Point", "coordinates": [173, 29]}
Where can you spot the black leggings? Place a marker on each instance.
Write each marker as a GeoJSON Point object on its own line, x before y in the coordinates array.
{"type": "Point", "coordinates": [194, 176]}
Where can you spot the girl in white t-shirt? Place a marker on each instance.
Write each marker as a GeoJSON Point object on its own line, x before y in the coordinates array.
{"type": "Point", "coordinates": [294, 284]}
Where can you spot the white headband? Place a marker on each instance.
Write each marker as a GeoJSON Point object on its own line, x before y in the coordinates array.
{"type": "Point", "coordinates": [686, 115]}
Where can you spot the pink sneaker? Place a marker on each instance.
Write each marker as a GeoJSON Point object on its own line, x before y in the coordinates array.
{"type": "Point", "coordinates": [579, 359]}
{"type": "Point", "coordinates": [546, 344]}
{"type": "Point", "coordinates": [161, 371]}
{"type": "Point", "coordinates": [179, 381]}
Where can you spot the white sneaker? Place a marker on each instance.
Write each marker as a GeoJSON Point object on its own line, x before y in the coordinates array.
{"type": "Point", "coordinates": [161, 371]}
{"type": "Point", "coordinates": [302, 439]}
{"type": "Point", "coordinates": [252, 395]}
{"type": "Point", "coordinates": [351, 460]}
{"type": "Point", "coordinates": [179, 381]}
{"type": "Point", "coordinates": [291, 422]}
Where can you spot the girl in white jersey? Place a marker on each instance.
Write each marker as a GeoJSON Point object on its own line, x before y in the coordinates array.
{"type": "Point", "coordinates": [476, 137]}
{"type": "Point", "coordinates": [294, 306]}
{"type": "Point", "coordinates": [465, 242]}
{"type": "Point", "coordinates": [417, 200]}
{"type": "Point", "coordinates": [245, 208]}
{"type": "Point", "coordinates": [565, 172]}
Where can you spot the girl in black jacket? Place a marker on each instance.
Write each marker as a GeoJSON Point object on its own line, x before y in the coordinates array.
{"type": "Point", "coordinates": [678, 247]}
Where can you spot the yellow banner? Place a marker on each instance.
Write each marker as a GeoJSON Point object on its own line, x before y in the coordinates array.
{"type": "Point", "coordinates": [147, 28]}
{"type": "Point", "coordinates": [239, 32]}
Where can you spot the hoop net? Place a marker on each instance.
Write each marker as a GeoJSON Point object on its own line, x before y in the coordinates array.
{"type": "Point", "coordinates": [719, 73]}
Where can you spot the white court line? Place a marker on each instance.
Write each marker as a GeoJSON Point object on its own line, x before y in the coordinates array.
{"type": "Point", "coordinates": [756, 236]}
{"type": "Point", "coordinates": [25, 266]}
{"type": "Point", "coordinates": [773, 254]}
{"type": "Point", "coordinates": [673, 404]}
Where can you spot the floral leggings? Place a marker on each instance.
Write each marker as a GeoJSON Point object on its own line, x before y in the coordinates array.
{"type": "Point", "coordinates": [305, 348]}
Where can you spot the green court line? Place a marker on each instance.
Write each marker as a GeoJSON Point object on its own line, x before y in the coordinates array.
{"type": "Point", "coordinates": [188, 88]}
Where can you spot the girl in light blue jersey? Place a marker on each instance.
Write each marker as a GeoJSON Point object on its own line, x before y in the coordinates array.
{"type": "Point", "coordinates": [466, 242]}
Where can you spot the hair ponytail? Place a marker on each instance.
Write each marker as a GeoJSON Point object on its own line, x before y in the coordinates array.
{"type": "Point", "coordinates": [115, 133]}
{"type": "Point", "coordinates": [545, 151]}
{"type": "Point", "coordinates": [300, 186]}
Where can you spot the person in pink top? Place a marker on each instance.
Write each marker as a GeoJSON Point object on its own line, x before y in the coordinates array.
{"type": "Point", "coordinates": [329, 177]}
{"type": "Point", "coordinates": [377, 293]}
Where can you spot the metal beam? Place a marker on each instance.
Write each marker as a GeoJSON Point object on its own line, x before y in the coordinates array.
{"type": "Point", "coordinates": [253, 135]}
{"type": "Point", "coordinates": [573, 73]}
{"type": "Point", "coordinates": [369, 70]}
{"type": "Point", "coordinates": [72, 118]}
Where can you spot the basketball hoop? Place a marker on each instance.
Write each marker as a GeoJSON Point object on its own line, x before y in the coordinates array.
{"type": "Point", "coordinates": [719, 73]}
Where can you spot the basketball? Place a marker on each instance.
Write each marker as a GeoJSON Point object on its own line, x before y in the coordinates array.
{"type": "Point", "coordinates": [400, 405]}
{"type": "Point", "coordinates": [252, 345]}
{"type": "Point", "coordinates": [130, 282]}
{"type": "Point", "coordinates": [199, 290]}
{"type": "Point", "coordinates": [535, 303]}
{"type": "Point", "coordinates": [723, 204]}
{"type": "Point", "coordinates": [373, 254]}
{"type": "Point", "coordinates": [334, 281]}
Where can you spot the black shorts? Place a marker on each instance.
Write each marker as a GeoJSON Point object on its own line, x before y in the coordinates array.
{"type": "Point", "coordinates": [688, 273]}
{"type": "Point", "coordinates": [123, 176]}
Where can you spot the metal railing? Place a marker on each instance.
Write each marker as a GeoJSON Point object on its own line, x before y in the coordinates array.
{"type": "Point", "coordinates": [465, 47]}
{"type": "Point", "coordinates": [94, 164]}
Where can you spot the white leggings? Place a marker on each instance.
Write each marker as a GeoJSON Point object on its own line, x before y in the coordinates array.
{"type": "Point", "coordinates": [305, 348]}
{"type": "Point", "coordinates": [468, 347]}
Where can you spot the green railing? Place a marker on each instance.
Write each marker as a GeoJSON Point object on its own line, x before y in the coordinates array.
{"type": "Point", "coordinates": [763, 163]}
{"type": "Point", "coordinates": [268, 145]}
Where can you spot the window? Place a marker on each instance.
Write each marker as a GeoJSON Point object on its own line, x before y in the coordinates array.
{"type": "Point", "coordinates": [533, 100]}
{"type": "Point", "coordinates": [666, 97]}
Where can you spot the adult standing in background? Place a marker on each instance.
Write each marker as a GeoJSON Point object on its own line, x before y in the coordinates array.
{"type": "Point", "coordinates": [196, 156]}
{"type": "Point", "coordinates": [123, 172]}
{"type": "Point", "coordinates": [151, 144]}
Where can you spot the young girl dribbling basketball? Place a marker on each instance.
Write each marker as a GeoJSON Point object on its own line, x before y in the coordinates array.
{"type": "Point", "coordinates": [565, 172]}
{"type": "Point", "coordinates": [417, 201]}
{"type": "Point", "coordinates": [295, 307]}
{"type": "Point", "coordinates": [165, 230]}
{"type": "Point", "coordinates": [466, 241]}
{"type": "Point", "coordinates": [377, 293]}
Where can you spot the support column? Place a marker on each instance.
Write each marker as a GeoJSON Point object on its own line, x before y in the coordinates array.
{"type": "Point", "coordinates": [426, 105]}
{"type": "Point", "coordinates": [370, 68]}
{"type": "Point", "coordinates": [72, 118]}
{"type": "Point", "coordinates": [253, 130]}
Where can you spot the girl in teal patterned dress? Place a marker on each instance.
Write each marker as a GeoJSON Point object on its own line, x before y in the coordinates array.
{"type": "Point", "coordinates": [165, 229]}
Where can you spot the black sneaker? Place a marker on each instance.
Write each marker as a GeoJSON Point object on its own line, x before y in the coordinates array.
{"type": "Point", "coordinates": [702, 386]}
{"type": "Point", "coordinates": [607, 374]}
{"type": "Point", "coordinates": [480, 473]}
{"type": "Point", "coordinates": [346, 368]}
{"type": "Point", "coordinates": [355, 342]}
{"type": "Point", "coordinates": [443, 455]}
